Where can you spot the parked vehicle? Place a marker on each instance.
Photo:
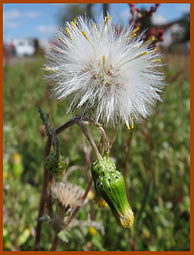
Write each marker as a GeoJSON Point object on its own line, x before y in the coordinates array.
{"type": "Point", "coordinates": [24, 47]}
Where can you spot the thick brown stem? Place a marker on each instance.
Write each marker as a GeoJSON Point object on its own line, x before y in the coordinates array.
{"type": "Point", "coordinates": [67, 124]}
{"type": "Point", "coordinates": [43, 199]}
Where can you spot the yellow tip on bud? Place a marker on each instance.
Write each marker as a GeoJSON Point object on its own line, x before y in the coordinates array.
{"type": "Point", "coordinates": [103, 63]}
{"type": "Point", "coordinates": [84, 34]}
{"type": "Point", "coordinates": [133, 35]}
{"type": "Point", "coordinates": [106, 20]}
{"type": "Point", "coordinates": [154, 50]}
{"type": "Point", "coordinates": [75, 20]}
{"type": "Point", "coordinates": [101, 203]}
{"type": "Point", "coordinates": [135, 30]}
{"type": "Point", "coordinates": [142, 54]}
{"type": "Point", "coordinates": [95, 27]}
{"type": "Point", "coordinates": [127, 219]}
{"type": "Point", "coordinates": [132, 123]}
{"type": "Point", "coordinates": [68, 32]}
{"type": "Point", "coordinates": [152, 38]}
{"type": "Point", "coordinates": [157, 60]}
{"type": "Point", "coordinates": [46, 68]}
{"type": "Point", "coordinates": [73, 24]}
{"type": "Point", "coordinates": [127, 124]}
{"type": "Point", "coordinates": [103, 60]}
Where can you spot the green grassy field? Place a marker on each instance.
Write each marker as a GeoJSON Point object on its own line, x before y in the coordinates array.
{"type": "Point", "coordinates": [155, 156]}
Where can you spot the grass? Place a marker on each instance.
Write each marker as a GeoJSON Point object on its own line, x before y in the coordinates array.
{"type": "Point", "coordinates": [154, 158]}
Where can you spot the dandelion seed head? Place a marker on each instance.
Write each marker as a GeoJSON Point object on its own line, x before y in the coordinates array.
{"type": "Point", "coordinates": [113, 74]}
{"type": "Point", "coordinates": [67, 194]}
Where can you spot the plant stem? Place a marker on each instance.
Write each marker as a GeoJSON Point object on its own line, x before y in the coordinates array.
{"type": "Point", "coordinates": [84, 129]}
{"type": "Point", "coordinates": [102, 131]}
{"type": "Point", "coordinates": [68, 124]}
{"type": "Point", "coordinates": [90, 139]}
{"type": "Point", "coordinates": [43, 199]}
{"type": "Point", "coordinates": [76, 120]}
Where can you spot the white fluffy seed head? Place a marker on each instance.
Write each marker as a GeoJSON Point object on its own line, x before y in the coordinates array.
{"type": "Point", "coordinates": [67, 194]}
{"type": "Point", "coordinates": [114, 75]}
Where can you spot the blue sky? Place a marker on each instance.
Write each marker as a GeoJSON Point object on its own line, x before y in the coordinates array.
{"type": "Point", "coordinates": [41, 20]}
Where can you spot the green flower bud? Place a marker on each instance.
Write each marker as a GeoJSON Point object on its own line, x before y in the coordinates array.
{"type": "Point", "coordinates": [99, 167]}
{"type": "Point", "coordinates": [96, 168]}
{"type": "Point", "coordinates": [55, 165]}
{"type": "Point", "coordinates": [51, 161]}
{"type": "Point", "coordinates": [110, 186]}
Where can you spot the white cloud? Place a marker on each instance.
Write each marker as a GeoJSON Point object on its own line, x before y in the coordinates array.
{"type": "Point", "coordinates": [14, 14]}
{"type": "Point", "coordinates": [159, 19]}
{"type": "Point", "coordinates": [12, 18]}
{"type": "Point", "coordinates": [11, 14]}
{"type": "Point", "coordinates": [47, 29]}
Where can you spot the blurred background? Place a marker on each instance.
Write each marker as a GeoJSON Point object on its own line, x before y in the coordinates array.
{"type": "Point", "coordinates": [154, 157]}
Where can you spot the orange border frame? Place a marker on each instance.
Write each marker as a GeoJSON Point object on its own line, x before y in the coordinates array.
{"type": "Point", "coordinates": [191, 137]}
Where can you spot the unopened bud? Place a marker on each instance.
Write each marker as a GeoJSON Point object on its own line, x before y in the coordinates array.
{"type": "Point", "coordinates": [110, 186]}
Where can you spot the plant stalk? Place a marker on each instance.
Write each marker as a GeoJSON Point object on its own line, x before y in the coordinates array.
{"type": "Point", "coordinates": [43, 198]}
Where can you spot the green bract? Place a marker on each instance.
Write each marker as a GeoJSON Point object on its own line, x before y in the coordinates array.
{"type": "Point", "coordinates": [55, 164]}
{"type": "Point", "coordinates": [110, 186]}
{"type": "Point", "coordinates": [61, 165]}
